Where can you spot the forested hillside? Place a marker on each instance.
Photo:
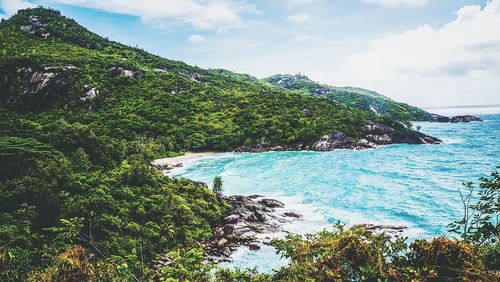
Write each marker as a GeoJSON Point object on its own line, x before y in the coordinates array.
{"type": "Point", "coordinates": [351, 97]}
{"type": "Point", "coordinates": [82, 117]}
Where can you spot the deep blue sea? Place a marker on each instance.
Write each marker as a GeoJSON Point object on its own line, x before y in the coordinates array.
{"type": "Point", "coordinates": [411, 185]}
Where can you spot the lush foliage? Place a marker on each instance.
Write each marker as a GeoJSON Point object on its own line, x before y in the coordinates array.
{"type": "Point", "coordinates": [351, 97]}
{"type": "Point", "coordinates": [217, 185]}
{"type": "Point", "coordinates": [79, 200]}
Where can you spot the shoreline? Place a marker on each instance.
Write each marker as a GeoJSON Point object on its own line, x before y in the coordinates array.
{"type": "Point", "coordinates": [168, 165]}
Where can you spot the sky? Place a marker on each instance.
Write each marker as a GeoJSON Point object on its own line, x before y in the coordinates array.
{"type": "Point", "coordinates": [422, 52]}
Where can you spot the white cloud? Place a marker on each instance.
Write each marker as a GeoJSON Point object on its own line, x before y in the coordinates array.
{"type": "Point", "coordinates": [299, 18]}
{"type": "Point", "coordinates": [301, 37]}
{"type": "Point", "coordinates": [195, 38]}
{"type": "Point", "coordinates": [457, 62]}
{"type": "Point", "coordinates": [200, 14]}
{"type": "Point", "coordinates": [12, 6]}
{"type": "Point", "coordinates": [388, 3]}
{"type": "Point", "coordinates": [297, 3]}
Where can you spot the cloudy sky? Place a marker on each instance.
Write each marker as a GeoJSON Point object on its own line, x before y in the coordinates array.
{"type": "Point", "coordinates": [423, 52]}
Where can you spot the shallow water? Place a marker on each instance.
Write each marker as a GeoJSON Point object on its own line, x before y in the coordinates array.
{"type": "Point", "coordinates": [411, 185]}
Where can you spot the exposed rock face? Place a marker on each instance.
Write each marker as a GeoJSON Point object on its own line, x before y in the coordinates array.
{"type": "Point", "coordinates": [375, 134]}
{"type": "Point", "coordinates": [248, 217]}
{"type": "Point", "coordinates": [392, 230]}
{"type": "Point", "coordinates": [36, 27]}
{"type": "Point", "coordinates": [333, 141]}
{"type": "Point", "coordinates": [90, 93]}
{"type": "Point", "coordinates": [271, 203]}
{"type": "Point", "coordinates": [39, 82]}
{"type": "Point", "coordinates": [261, 148]}
{"type": "Point", "coordinates": [119, 71]}
{"type": "Point", "coordinates": [455, 119]}
{"type": "Point", "coordinates": [383, 135]}
{"type": "Point", "coordinates": [466, 118]}
{"type": "Point", "coordinates": [167, 167]}
{"type": "Point", "coordinates": [193, 75]}
{"type": "Point", "coordinates": [438, 118]}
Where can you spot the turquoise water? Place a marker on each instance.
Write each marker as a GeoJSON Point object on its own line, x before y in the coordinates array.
{"type": "Point", "coordinates": [411, 185]}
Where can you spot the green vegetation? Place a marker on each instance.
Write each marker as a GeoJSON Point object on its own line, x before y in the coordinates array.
{"type": "Point", "coordinates": [217, 185]}
{"type": "Point", "coordinates": [351, 97]}
{"type": "Point", "coordinates": [81, 117]}
{"type": "Point", "coordinates": [177, 106]}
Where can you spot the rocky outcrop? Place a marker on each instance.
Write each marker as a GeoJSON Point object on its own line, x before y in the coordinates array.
{"type": "Point", "coordinates": [391, 230]}
{"type": "Point", "coordinates": [375, 134]}
{"type": "Point", "coordinates": [308, 112]}
{"type": "Point", "coordinates": [193, 75]}
{"type": "Point", "coordinates": [455, 119]}
{"type": "Point", "coordinates": [39, 82]}
{"type": "Point", "coordinates": [438, 118]}
{"type": "Point", "coordinates": [465, 118]}
{"type": "Point", "coordinates": [247, 218]}
{"type": "Point", "coordinates": [261, 148]}
{"type": "Point", "coordinates": [167, 167]}
{"type": "Point", "coordinates": [119, 71]}
{"type": "Point", "coordinates": [333, 141]}
{"type": "Point", "coordinates": [90, 93]}
{"type": "Point", "coordinates": [36, 27]}
{"type": "Point", "coordinates": [380, 134]}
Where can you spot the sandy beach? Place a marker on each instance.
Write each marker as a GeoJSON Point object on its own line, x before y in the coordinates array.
{"type": "Point", "coordinates": [170, 164]}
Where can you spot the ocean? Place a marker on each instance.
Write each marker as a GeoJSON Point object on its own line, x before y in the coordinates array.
{"type": "Point", "coordinates": [411, 185]}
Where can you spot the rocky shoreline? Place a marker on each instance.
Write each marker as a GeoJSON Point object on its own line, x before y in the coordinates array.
{"type": "Point", "coordinates": [375, 135]}
{"type": "Point", "coordinates": [251, 221]}
{"type": "Point", "coordinates": [455, 119]}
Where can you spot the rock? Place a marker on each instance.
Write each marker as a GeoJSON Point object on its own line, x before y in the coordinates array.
{"type": "Point", "coordinates": [260, 215]}
{"type": "Point", "coordinates": [392, 230]}
{"type": "Point", "coordinates": [233, 218]}
{"type": "Point", "coordinates": [380, 134]}
{"type": "Point", "coordinates": [36, 27]}
{"type": "Point", "coordinates": [365, 144]}
{"type": "Point", "coordinates": [438, 118]}
{"type": "Point", "coordinates": [228, 229]}
{"type": "Point", "coordinates": [308, 112]}
{"type": "Point", "coordinates": [253, 247]}
{"type": "Point", "coordinates": [384, 139]}
{"type": "Point", "coordinates": [377, 128]}
{"type": "Point", "coordinates": [119, 71]}
{"type": "Point", "coordinates": [292, 214]}
{"type": "Point", "coordinates": [455, 119]}
{"type": "Point", "coordinates": [222, 242]}
{"type": "Point", "coordinates": [39, 83]}
{"type": "Point", "coordinates": [200, 184]}
{"type": "Point", "coordinates": [465, 118]}
{"type": "Point", "coordinates": [226, 252]}
{"type": "Point", "coordinates": [251, 217]}
{"type": "Point", "coordinates": [272, 203]}
{"type": "Point", "coordinates": [90, 94]}
{"type": "Point", "coordinates": [193, 75]}
{"type": "Point", "coordinates": [335, 140]}
{"type": "Point", "coordinates": [162, 262]}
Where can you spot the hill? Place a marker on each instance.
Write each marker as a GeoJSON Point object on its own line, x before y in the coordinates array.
{"type": "Point", "coordinates": [351, 97]}
{"type": "Point", "coordinates": [81, 117]}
